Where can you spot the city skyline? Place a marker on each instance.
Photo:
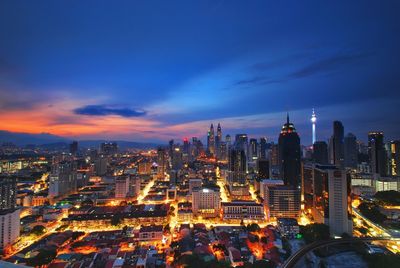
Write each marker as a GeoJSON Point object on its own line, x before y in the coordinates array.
{"type": "Point", "coordinates": [139, 72]}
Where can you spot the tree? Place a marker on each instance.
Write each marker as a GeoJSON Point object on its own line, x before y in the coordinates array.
{"type": "Point", "coordinates": [116, 220]}
{"type": "Point", "coordinates": [372, 212]}
{"type": "Point", "coordinates": [38, 230]}
{"type": "Point", "coordinates": [315, 232]}
{"type": "Point", "coordinates": [254, 227]}
{"type": "Point", "coordinates": [44, 257]}
{"type": "Point", "coordinates": [388, 197]}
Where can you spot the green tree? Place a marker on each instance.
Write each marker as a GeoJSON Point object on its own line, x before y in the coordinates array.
{"type": "Point", "coordinates": [116, 220]}
{"type": "Point", "coordinates": [315, 232]}
{"type": "Point", "coordinates": [38, 230]}
{"type": "Point", "coordinates": [254, 227]}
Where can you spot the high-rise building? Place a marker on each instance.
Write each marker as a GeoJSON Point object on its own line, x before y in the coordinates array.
{"type": "Point", "coordinates": [121, 187]}
{"type": "Point", "coordinates": [211, 141]}
{"type": "Point", "coordinates": [206, 202]}
{"type": "Point", "coordinates": [237, 166]}
{"type": "Point", "coordinates": [108, 148]}
{"type": "Point", "coordinates": [253, 149]}
{"type": "Point", "coordinates": [337, 144]}
{"type": "Point", "coordinates": [62, 178]}
{"type": "Point", "coordinates": [283, 201]}
{"type": "Point", "coordinates": [8, 193]}
{"type": "Point", "coordinates": [289, 154]}
{"type": "Point", "coordinates": [242, 142]}
{"type": "Point", "coordinates": [101, 164]}
{"type": "Point", "coordinates": [161, 162]}
{"type": "Point", "coordinates": [394, 153]}
{"type": "Point", "coordinates": [350, 151]}
{"type": "Point", "coordinates": [263, 168]}
{"type": "Point", "coordinates": [263, 148]}
{"type": "Point", "coordinates": [330, 189]}
{"type": "Point", "coordinates": [194, 183]}
{"type": "Point", "coordinates": [9, 227]}
{"type": "Point", "coordinates": [320, 152]}
{"type": "Point", "coordinates": [73, 148]}
{"type": "Point", "coordinates": [176, 159]}
{"type": "Point", "coordinates": [314, 122]}
{"type": "Point", "coordinates": [218, 140]}
{"type": "Point", "coordinates": [376, 151]}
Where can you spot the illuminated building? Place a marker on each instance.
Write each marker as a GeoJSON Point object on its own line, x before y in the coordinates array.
{"type": "Point", "coordinates": [394, 153]}
{"type": "Point", "coordinates": [376, 151]}
{"type": "Point", "coordinates": [242, 210]}
{"type": "Point", "coordinates": [313, 121]}
{"type": "Point", "coordinates": [151, 233]}
{"type": "Point", "coordinates": [9, 227]}
{"type": "Point", "coordinates": [336, 145]}
{"type": "Point", "coordinates": [263, 148]}
{"type": "Point", "coordinates": [62, 179]}
{"type": "Point", "coordinates": [387, 184]}
{"type": "Point", "coordinates": [282, 201]}
{"type": "Point", "coordinates": [350, 151]}
{"type": "Point", "coordinates": [100, 165]}
{"type": "Point", "coordinates": [263, 168]}
{"type": "Point", "coordinates": [242, 143]}
{"type": "Point", "coordinates": [134, 185]}
{"type": "Point", "coordinates": [331, 198]}
{"type": "Point", "coordinates": [161, 162]}
{"type": "Point", "coordinates": [8, 193]}
{"type": "Point", "coordinates": [121, 187]}
{"type": "Point", "coordinates": [253, 149]}
{"type": "Point", "coordinates": [237, 173]}
{"type": "Point", "coordinates": [206, 202]}
{"type": "Point", "coordinates": [144, 167]}
{"type": "Point", "coordinates": [108, 148]}
{"type": "Point", "coordinates": [73, 148]}
{"type": "Point", "coordinates": [265, 183]}
{"type": "Point", "coordinates": [223, 151]}
{"type": "Point", "coordinates": [289, 154]}
{"type": "Point", "coordinates": [320, 152]}
{"type": "Point", "coordinates": [288, 227]}
{"type": "Point", "coordinates": [218, 140]}
{"type": "Point", "coordinates": [176, 159]}
{"type": "Point", "coordinates": [211, 141]}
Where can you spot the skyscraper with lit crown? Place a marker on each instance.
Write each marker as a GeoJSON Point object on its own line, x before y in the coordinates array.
{"type": "Point", "coordinates": [313, 121]}
{"type": "Point", "coordinates": [211, 141]}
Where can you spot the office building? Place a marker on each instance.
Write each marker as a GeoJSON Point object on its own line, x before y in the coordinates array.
{"type": "Point", "coordinates": [263, 168]}
{"type": "Point", "coordinates": [350, 151]}
{"type": "Point", "coordinates": [218, 141]}
{"type": "Point", "coordinates": [394, 158]}
{"type": "Point", "coordinates": [194, 183]}
{"type": "Point", "coordinates": [331, 198]}
{"type": "Point", "coordinates": [263, 148]}
{"type": "Point", "coordinates": [8, 193]}
{"type": "Point", "coordinates": [73, 148]}
{"type": "Point", "coordinates": [289, 154]}
{"type": "Point", "coordinates": [9, 227]}
{"type": "Point", "coordinates": [282, 201]}
{"type": "Point", "coordinates": [377, 154]}
{"type": "Point", "coordinates": [211, 141]}
{"type": "Point", "coordinates": [108, 148]}
{"type": "Point", "coordinates": [206, 202]}
{"type": "Point", "coordinates": [336, 144]}
{"type": "Point", "coordinates": [320, 152]}
{"type": "Point", "coordinates": [242, 210]}
{"type": "Point", "coordinates": [63, 179]}
{"type": "Point", "coordinates": [121, 187]}
{"type": "Point", "coordinates": [253, 149]}
{"type": "Point", "coordinates": [161, 162]}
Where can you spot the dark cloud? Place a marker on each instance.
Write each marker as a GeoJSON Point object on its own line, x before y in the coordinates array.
{"type": "Point", "coordinates": [102, 110]}
{"type": "Point", "coordinates": [329, 64]}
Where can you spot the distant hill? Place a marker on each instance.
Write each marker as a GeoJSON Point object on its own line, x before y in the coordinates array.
{"type": "Point", "coordinates": [22, 139]}
{"type": "Point", "coordinates": [50, 141]}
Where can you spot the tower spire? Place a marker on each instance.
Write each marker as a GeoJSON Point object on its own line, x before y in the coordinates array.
{"type": "Point", "coordinates": [287, 118]}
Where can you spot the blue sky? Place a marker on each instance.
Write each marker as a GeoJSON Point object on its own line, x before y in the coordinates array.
{"type": "Point", "coordinates": [154, 70]}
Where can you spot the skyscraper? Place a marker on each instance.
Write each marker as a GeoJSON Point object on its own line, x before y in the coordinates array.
{"type": "Point", "coordinates": [253, 149]}
{"type": "Point", "coordinates": [320, 152]}
{"type": "Point", "coordinates": [237, 166]}
{"type": "Point", "coordinates": [394, 152]}
{"type": "Point", "coordinates": [218, 140]}
{"type": "Point", "coordinates": [8, 193]}
{"type": "Point", "coordinates": [313, 121]}
{"type": "Point", "coordinates": [337, 144]}
{"type": "Point", "coordinates": [211, 141]}
{"type": "Point", "coordinates": [350, 151]}
{"type": "Point", "coordinates": [376, 151]}
{"type": "Point", "coordinates": [263, 148]}
{"type": "Point", "coordinates": [289, 154]}
{"type": "Point", "coordinates": [73, 148]}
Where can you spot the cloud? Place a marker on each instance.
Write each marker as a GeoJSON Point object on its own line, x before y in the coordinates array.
{"type": "Point", "coordinates": [328, 64]}
{"type": "Point", "coordinates": [103, 110]}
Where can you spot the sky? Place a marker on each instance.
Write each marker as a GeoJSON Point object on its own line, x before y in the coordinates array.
{"type": "Point", "coordinates": [156, 70]}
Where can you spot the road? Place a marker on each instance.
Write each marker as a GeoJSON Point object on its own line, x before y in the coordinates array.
{"type": "Point", "coordinates": [294, 258]}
